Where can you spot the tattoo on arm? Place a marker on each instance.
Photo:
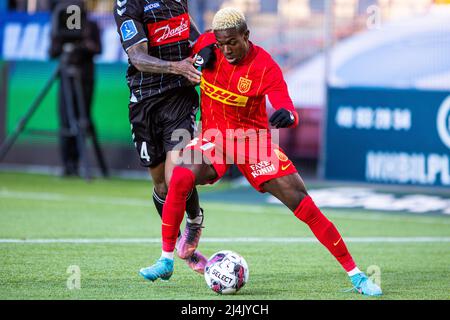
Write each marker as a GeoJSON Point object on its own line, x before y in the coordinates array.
{"type": "Point", "coordinates": [140, 58]}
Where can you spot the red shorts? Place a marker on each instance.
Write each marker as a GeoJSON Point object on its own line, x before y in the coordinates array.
{"type": "Point", "coordinates": [259, 164]}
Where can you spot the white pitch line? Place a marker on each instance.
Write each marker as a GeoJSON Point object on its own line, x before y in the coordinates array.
{"type": "Point", "coordinates": [230, 240]}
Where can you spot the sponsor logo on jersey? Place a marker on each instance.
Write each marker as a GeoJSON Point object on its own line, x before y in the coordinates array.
{"type": "Point", "coordinates": [244, 85]}
{"type": "Point", "coordinates": [151, 6]}
{"type": "Point", "coordinates": [169, 31]}
{"type": "Point", "coordinates": [262, 168]}
{"type": "Point", "coordinates": [128, 30]}
{"type": "Point", "coordinates": [222, 95]}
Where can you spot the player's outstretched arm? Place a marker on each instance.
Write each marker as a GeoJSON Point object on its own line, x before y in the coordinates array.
{"type": "Point", "coordinates": [277, 91]}
{"type": "Point", "coordinates": [145, 63]}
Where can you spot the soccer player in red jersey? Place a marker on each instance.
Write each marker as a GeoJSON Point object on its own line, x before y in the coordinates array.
{"type": "Point", "coordinates": [235, 130]}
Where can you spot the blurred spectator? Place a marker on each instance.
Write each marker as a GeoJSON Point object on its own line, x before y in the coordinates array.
{"type": "Point", "coordinates": [80, 56]}
{"type": "Point", "coordinates": [17, 5]}
{"type": "Point", "coordinates": [29, 5]}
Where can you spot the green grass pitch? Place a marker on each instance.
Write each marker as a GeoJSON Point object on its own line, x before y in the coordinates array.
{"type": "Point", "coordinates": [48, 207]}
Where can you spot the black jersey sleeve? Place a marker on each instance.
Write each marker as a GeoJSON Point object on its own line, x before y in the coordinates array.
{"type": "Point", "coordinates": [129, 21]}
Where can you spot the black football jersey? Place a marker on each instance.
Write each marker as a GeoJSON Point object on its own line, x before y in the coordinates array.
{"type": "Point", "coordinates": [165, 25]}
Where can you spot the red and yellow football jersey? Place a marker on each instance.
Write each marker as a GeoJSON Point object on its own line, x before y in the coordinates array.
{"type": "Point", "coordinates": [234, 96]}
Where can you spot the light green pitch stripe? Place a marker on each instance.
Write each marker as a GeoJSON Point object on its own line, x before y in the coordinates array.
{"type": "Point", "coordinates": [229, 240]}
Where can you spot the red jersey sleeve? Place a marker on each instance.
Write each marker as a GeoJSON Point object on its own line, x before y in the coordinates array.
{"type": "Point", "coordinates": [276, 89]}
{"type": "Point", "coordinates": [205, 39]}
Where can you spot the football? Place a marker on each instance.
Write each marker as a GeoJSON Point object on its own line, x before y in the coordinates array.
{"type": "Point", "coordinates": [226, 272]}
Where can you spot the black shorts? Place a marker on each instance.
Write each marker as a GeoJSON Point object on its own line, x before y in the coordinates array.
{"type": "Point", "coordinates": [154, 120]}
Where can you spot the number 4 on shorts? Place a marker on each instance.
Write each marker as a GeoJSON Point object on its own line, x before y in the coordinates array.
{"type": "Point", "coordinates": [144, 152]}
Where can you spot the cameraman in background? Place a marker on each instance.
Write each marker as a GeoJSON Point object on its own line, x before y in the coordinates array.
{"type": "Point", "coordinates": [80, 54]}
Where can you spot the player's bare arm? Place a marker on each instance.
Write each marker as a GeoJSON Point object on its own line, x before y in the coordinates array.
{"type": "Point", "coordinates": [140, 58]}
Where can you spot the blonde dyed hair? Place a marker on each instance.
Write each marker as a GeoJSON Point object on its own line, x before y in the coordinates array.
{"type": "Point", "coordinates": [228, 18]}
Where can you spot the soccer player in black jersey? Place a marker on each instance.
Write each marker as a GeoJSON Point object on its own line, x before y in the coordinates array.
{"type": "Point", "coordinates": [156, 35]}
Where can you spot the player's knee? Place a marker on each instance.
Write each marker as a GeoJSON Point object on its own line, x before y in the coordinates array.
{"type": "Point", "coordinates": [301, 194]}
{"type": "Point", "coordinates": [294, 197]}
{"type": "Point", "coordinates": [161, 189]}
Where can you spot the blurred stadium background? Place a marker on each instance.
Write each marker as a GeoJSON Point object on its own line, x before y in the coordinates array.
{"type": "Point", "coordinates": [370, 80]}
{"type": "Point", "coordinates": [333, 53]}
